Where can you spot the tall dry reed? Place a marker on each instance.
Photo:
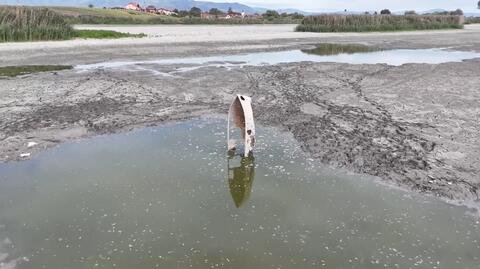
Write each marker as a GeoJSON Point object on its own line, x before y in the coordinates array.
{"type": "Point", "coordinates": [366, 23]}
{"type": "Point", "coordinates": [29, 24]}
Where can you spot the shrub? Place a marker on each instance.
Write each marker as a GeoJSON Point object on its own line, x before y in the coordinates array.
{"type": "Point", "coordinates": [271, 14]}
{"type": "Point", "coordinates": [215, 11]}
{"type": "Point", "coordinates": [385, 12]}
{"type": "Point", "coordinates": [457, 12]}
{"type": "Point", "coordinates": [195, 12]}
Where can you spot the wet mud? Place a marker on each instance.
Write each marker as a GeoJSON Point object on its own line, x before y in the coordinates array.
{"type": "Point", "coordinates": [416, 125]}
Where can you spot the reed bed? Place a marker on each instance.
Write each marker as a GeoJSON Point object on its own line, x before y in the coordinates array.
{"type": "Point", "coordinates": [368, 23]}
{"type": "Point", "coordinates": [472, 20]}
{"type": "Point", "coordinates": [30, 24]}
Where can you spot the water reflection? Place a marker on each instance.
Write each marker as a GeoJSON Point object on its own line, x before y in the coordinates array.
{"type": "Point", "coordinates": [240, 178]}
{"type": "Point", "coordinates": [326, 49]}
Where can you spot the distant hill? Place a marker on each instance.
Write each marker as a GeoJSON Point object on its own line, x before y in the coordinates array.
{"type": "Point", "coordinates": [438, 10]}
{"type": "Point", "coordinates": [470, 14]}
{"type": "Point", "coordinates": [172, 4]}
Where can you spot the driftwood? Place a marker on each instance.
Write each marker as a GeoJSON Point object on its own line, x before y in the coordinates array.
{"type": "Point", "coordinates": [241, 114]}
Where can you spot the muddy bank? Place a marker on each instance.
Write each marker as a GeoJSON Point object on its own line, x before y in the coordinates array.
{"type": "Point", "coordinates": [416, 125]}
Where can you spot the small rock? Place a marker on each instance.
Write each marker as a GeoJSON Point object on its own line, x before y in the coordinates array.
{"type": "Point", "coordinates": [31, 144]}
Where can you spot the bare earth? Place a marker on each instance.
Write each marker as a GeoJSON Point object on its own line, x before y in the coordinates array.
{"type": "Point", "coordinates": [416, 125]}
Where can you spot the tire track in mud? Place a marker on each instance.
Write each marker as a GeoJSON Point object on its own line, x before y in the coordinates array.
{"type": "Point", "coordinates": [326, 107]}
{"type": "Point", "coordinates": [365, 139]}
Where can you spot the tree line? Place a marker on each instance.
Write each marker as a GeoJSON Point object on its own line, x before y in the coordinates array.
{"type": "Point", "coordinates": [269, 14]}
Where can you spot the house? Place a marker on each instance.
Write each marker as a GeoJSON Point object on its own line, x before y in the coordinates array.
{"type": "Point", "coordinates": [207, 16]}
{"type": "Point", "coordinates": [133, 6]}
{"type": "Point", "coordinates": [233, 14]}
{"type": "Point", "coordinates": [151, 9]}
{"type": "Point", "coordinates": [164, 11]}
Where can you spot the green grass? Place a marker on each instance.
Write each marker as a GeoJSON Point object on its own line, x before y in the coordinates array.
{"type": "Point", "coordinates": [13, 71]}
{"type": "Point", "coordinates": [334, 49]}
{"type": "Point", "coordinates": [369, 23]}
{"type": "Point", "coordinates": [101, 34]}
{"type": "Point", "coordinates": [78, 15]}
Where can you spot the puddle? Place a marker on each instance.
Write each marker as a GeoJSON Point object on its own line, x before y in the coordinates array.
{"type": "Point", "coordinates": [391, 57]}
{"type": "Point", "coordinates": [164, 197]}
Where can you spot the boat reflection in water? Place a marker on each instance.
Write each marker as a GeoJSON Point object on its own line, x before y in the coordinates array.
{"type": "Point", "coordinates": [240, 178]}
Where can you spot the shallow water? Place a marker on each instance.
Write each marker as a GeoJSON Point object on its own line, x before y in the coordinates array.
{"type": "Point", "coordinates": [164, 197]}
{"type": "Point", "coordinates": [391, 57]}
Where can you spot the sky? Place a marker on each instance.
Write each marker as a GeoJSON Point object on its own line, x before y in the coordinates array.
{"type": "Point", "coordinates": [362, 5]}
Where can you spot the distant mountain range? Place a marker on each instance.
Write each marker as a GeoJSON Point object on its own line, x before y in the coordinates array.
{"type": "Point", "coordinates": [172, 4]}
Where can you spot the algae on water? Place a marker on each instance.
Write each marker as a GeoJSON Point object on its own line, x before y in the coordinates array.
{"type": "Point", "coordinates": [325, 49]}
{"type": "Point", "coordinates": [13, 71]}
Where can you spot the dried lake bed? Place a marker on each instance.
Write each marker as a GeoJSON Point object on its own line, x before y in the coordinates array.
{"type": "Point", "coordinates": [414, 124]}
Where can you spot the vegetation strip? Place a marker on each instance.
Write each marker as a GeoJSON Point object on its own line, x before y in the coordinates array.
{"type": "Point", "coordinates": [36, 24]}
{"type": "Point", "coordinates": [13, 71]}
{"type": "Point", "coordinates": [367, 23]}
{"type": "Point", "coordinates": [79, 15]}
{"type": "Point", "coordinates": [99, 34]}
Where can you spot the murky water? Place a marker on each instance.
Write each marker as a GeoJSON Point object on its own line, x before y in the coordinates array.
{"type": "Point", "coordinates": [391, 57]}
{"type": "Point", "coordinates": [165, 197]}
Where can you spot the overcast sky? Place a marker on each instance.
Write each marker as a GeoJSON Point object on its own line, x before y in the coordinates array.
{"type": "Point", "coordinates": [361, 5]}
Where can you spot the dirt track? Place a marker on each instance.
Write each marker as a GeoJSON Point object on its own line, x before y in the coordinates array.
{"type": "Point", "coordinates": [416, 125]}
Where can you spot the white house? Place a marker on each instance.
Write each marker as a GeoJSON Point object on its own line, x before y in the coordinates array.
{"type": "Point", "coordinates": [133, 6]}
{"type": "Point", "coordinates": [164, 11]}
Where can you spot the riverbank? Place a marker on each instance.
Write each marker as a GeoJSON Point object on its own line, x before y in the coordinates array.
{"type": "Point", "coordinates": [415, 125]}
